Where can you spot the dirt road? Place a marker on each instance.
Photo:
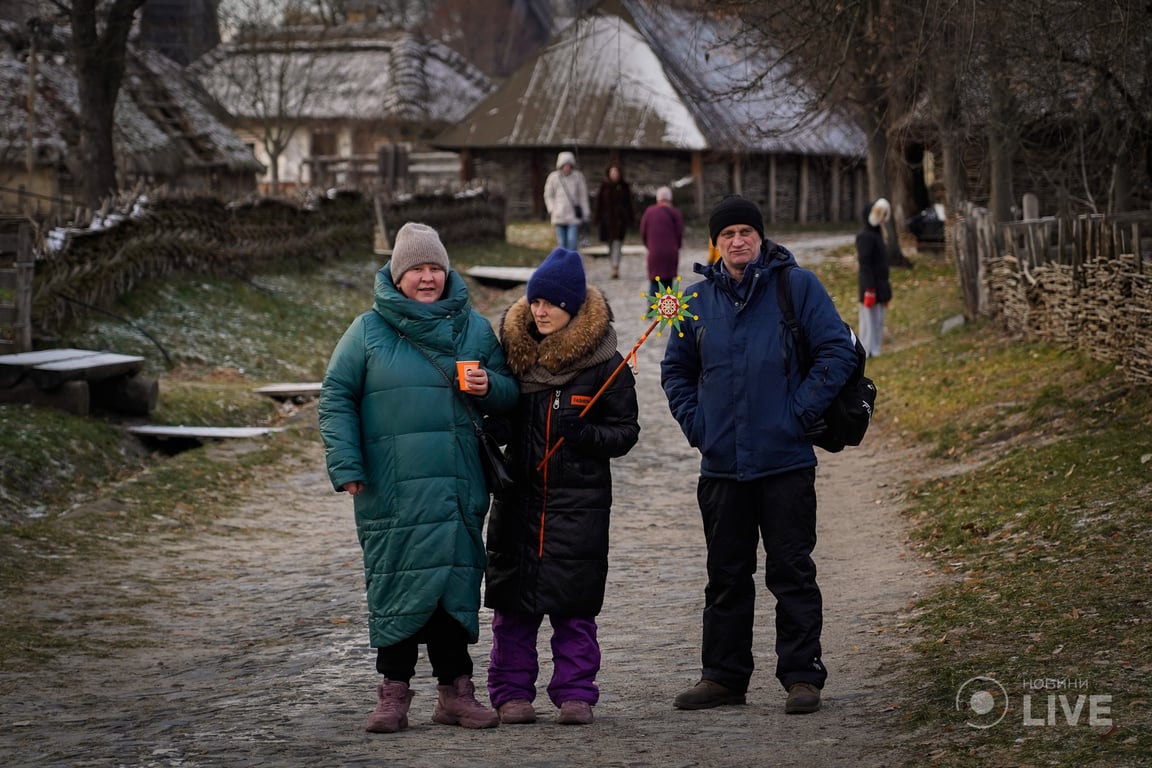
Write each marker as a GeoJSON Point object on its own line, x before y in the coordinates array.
{"type": "Point", "coordinates": [249, 646]}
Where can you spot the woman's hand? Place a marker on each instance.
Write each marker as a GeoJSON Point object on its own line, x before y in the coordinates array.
{"type": "Point", "coordinates": [354, 487]}
{"type": "Point", "coordinates": [476, 379]}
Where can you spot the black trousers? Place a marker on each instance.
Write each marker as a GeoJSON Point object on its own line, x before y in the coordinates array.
{"type": "Point", "coordinates": [780, 509]}
{"type": "Point", "coordinates": [447, 643]}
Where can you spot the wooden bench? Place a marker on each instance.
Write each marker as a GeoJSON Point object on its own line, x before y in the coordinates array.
{"type": "Point", "coordinates": [49, 368]}
{"type": "Point", "coordinates": [200, 433]}
{"type": "Point", "coordinates": [296, 392]}
{"type": "Point", "coordinates": [73, 379]}
{"type": "Point", "coordinates": [501, 277]}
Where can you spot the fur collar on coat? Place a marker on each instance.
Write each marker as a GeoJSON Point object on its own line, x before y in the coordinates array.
{"type": "Point", "coordinates": [544, 362]}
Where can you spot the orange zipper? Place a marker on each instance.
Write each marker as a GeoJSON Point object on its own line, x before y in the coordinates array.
{"type": "Point", "coordinates": [547, 442]}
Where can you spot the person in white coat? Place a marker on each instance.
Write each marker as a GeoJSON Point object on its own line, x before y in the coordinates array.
{"type": "Point", "coordinates": [566, 199]}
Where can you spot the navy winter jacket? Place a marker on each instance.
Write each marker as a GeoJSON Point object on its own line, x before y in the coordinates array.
{"type": "Point", "coordinates": [733, 380]}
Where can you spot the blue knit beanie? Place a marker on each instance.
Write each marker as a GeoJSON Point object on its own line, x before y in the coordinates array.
{"type": "Point", "coordinates": [559, 280]}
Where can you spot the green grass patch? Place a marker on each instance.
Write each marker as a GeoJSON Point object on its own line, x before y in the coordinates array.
{"type": "Point", "coordinates": [1036, 509]}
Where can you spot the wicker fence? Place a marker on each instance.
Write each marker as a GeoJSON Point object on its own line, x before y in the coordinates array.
{"type": "Point", "coordinates": [1083, 283]}
{"type": "Point", "coordinates": [207, 236]}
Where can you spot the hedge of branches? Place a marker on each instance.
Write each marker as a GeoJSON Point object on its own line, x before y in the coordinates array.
{"type": "Point", "coordinates": [207, 236]}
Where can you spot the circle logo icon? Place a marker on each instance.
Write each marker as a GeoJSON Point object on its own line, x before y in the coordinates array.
{"type": "Point", "coordinates": [984, 700]}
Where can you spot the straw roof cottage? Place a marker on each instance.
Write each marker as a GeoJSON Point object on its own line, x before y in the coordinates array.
{"type": "Point", "coordinates": [363, 94]}
{"type": "Point", "coordinates": [658, 91]}
{"type": "Point", "coordinates": [168, 129]}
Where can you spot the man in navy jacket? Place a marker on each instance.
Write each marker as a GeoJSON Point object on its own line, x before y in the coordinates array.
{"type": "Point", "coordinates": [734, 384]}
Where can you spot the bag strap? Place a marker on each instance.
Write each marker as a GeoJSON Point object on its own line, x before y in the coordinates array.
{"type": "Point", "coordinates": [451, 384]}
{"type": "Point", "coordinates": [784, 299]}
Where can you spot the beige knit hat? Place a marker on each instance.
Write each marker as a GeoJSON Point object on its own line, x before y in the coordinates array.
{"type": "Point", "coordinates": [416, 244]}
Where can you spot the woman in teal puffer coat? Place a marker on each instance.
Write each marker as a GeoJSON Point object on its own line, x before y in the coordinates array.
{"type": "Point", "coordinates": [402, 442]}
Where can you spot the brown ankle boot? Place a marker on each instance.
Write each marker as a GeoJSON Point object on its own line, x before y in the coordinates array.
{"type": "Point", "coordinates": [457, 705]}
{"type": "Point", "coordinates": [391, 713]}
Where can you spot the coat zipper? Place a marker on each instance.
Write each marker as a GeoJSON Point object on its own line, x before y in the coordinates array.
{"type": "Point", "coordinates": [547, 443]}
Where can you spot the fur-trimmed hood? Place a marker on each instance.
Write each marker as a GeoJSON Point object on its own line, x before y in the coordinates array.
{"type": "Point", "coordinates": [554, 359]}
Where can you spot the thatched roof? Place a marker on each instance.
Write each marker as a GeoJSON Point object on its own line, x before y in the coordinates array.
{"type": "Point", "coordinates": [640, 75]}
{"type": "Point", "coordinates": [165, 122]}
{"type": "Point", "coordinates": [363, 72]}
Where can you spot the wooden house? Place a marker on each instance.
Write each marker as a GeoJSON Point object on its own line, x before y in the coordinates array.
{"type": "Point", "coordinates": [168, 130]}
{"type": "Point", "coordinates": [659, 91]}
{"type": "Point", "coordinates": [359, 98]}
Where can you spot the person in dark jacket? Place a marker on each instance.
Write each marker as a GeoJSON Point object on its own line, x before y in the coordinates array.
{"type": "Point", "coordinates": [414, 471]}
{"type": "Point", "coordinates": [614, 214]}
{"type": "Point", "coordinates": [548, 536]}
{"type": "Point", "coordinates": [662, 232]}
{"type": "Point", "coordinates": [873, 286]}
{"type": "Point", "coordinates": [734, 385]}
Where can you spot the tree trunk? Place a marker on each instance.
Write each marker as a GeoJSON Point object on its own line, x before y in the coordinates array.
{"type": "Point", "coordinates": [878, 183]}
{"type": "Point", "coordinates": [99, 58]}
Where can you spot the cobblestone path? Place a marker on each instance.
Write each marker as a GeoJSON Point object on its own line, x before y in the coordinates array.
{"type": "Point", "coordinates": [249, 646]}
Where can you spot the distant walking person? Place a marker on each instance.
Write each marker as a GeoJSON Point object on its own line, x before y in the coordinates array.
{"type": "Point", "coordinates": [548, 536]}
{"type": "Point", "coordinates": [662, 232]}
{"type": "Point", "coordinates": [874, 288]}
{"type": "Point", "coordinates": [566, 199]}
{"type": "Point", "coordinates": [401, 442]}
{"type": "Point", "coordinates": [615, 214]}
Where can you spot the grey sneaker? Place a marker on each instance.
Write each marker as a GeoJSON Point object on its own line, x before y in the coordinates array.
{"type": "Point", "coordinates": [803, 698]}
{"type": "Point", "coordinates": [707, 694]}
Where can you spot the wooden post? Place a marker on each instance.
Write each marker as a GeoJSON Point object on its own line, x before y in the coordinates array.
{"type": "Point", "coordinates": [29, 150]}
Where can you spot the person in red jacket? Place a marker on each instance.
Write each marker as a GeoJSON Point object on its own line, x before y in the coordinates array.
{"type": "Point", "coordinates": [662, 232]}
{"type": "Point", "coordinates": [875, 291]}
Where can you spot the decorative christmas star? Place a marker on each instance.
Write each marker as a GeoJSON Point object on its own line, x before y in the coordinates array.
{"type": "Point", "coordinates": [667, 306]}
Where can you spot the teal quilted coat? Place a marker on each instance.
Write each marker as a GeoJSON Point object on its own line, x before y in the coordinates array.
{"type": "Point", "coordinates": [388, 418]}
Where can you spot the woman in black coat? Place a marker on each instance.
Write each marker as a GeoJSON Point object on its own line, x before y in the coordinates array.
{"type": "Point", "coordinates": [614, 213]}
{"type": "Point", "coordinates": [873, 287]}
{"type": "Point", "coordinates": [548, 537]}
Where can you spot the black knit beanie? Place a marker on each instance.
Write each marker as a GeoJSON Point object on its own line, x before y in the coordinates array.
{"type": "Point", "coordinates": [734, 209]}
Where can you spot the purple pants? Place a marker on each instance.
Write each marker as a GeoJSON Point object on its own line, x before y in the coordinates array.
{"type": "Point", "coordinates": [513, 664]}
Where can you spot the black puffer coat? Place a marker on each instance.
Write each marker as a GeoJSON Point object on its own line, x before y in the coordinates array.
{"type": "Point", "coordinates": [548, 537]}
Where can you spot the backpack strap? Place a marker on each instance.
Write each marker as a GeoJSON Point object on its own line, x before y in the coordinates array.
{"type": "Point", "coordinates": [784, 299]}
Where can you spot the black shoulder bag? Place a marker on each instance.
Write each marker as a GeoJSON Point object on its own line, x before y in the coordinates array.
{"type": "Point", "coordinates": [848, 417]}
{"type": "Point", "coordinates": [496, 475]}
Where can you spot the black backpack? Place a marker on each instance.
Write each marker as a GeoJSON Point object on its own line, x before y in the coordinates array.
{"type": "Point", "coordinates": [847, 418]}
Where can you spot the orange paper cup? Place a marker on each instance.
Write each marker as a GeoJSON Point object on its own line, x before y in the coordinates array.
{"type": "Point", "coordinates": [462, 368]}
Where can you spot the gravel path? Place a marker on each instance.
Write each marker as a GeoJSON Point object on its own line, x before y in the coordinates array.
{"type": "Point", "coordinates": [249, 646]}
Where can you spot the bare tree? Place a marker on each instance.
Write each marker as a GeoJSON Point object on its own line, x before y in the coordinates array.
{"type": "Point", "coordinates": [859, 57]}
{"type": "Point", "coordinates": [261, 74]}
{"type": "Point", "coordinates": [99, 44]}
